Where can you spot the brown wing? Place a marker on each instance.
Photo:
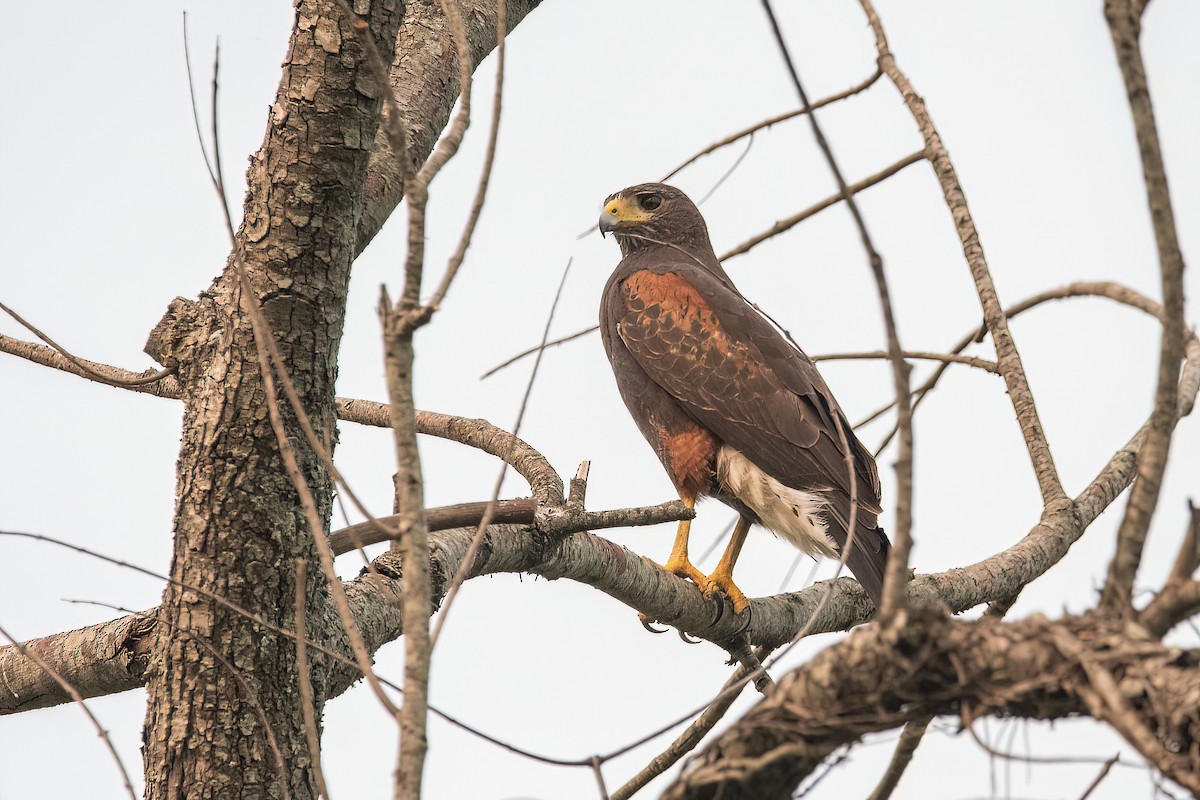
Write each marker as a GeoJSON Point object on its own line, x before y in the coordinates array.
{"type": "Point", "coordinates": [735, 374]}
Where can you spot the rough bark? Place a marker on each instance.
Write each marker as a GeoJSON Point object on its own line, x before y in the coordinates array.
{"type": "Point", "coordinates": [881, 678]}
{"type": "Point", "coordinates": [238, 526]}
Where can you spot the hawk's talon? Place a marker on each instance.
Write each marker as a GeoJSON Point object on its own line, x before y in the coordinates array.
{"type": "Point", "coordinates": [647, 621]}
{"type": "Point", "coordinates": [688, 639]}
{"type": "Point", "coordinates": [720, 587]}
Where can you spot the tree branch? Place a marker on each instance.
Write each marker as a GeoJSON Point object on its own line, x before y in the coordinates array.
{"type": "Point", "coordinates": [879, 679]}
{"type": "Point", "coordinates": [1124, 22]}
{"type": "Point", "coordinates": [790, 222]}
{"type": "Point", "coordinates": [910, 738]}
{"type": "Point", "coordinates": [769, 121]}
{"type": "Point", "coordinates": [1007, 357]}
{"type": "Point", "coordinates": [425, 82]}
{"type": "Point", "coordinates": [111, 657]}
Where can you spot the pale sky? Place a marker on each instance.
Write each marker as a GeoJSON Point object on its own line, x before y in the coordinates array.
{"type": "Point", "coordinates": [106, 214]}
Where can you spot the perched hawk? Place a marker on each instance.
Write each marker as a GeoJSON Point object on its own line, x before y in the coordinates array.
{"type": "Point", "coordinates": [731, 408]}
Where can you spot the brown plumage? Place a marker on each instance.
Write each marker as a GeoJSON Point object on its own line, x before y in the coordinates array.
{"type": "Point", "coordinates": [731, 408]}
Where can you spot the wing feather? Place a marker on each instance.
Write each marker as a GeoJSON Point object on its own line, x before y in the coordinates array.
{"type": "Point", "coordinates": [734, 373]}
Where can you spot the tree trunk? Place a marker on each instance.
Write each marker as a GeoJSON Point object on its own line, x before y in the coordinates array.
{"type": "Point", "coordinates": [223, 717]}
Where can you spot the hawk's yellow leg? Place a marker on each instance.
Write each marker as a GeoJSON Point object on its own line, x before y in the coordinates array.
{"type": "Point", "coordinates": [678, 562]}
{"type": "Point", "coordinates": [722, 577]}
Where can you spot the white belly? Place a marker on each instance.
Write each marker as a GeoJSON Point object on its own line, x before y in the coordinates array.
{"type": "Point", "coordinates": [791, 513]}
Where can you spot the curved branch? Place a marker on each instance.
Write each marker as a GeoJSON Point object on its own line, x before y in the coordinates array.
{"type": "Point", "coordinates": [1105, 289]}
{"type": "Point", "coordinates": [1007, 356]}
{"type": "Point", "coordinates": [768, 122]}
{"type": "Point", "coordinates": [110, 657]}
{"type": "Point", "coordinates": [1124, 22]}
{"type": "Point", "coordinates": [860, 685]}
{"type": "Point", "coordinates": [477, 433]}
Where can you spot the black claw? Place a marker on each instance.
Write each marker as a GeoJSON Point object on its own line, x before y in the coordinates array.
{"type": "Point", "coordinates": [719, 599]}
{"type": "Point", "coordinates": [683, 635]}
{"type": "Point", "coordinates": [646, 623]}
{"type": "Point", "coordinates": [749, 619]}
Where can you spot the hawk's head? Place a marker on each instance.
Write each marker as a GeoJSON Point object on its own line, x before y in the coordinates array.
{"type": "Point", "coordinates": [654, 213]}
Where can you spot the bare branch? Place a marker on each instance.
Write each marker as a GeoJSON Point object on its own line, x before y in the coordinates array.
{"type": "Point", "coordinates": [1108, 765]}
{"type": "Point", "coordinates": [1179, 598]}
{"type": "Point", "coordinates": [1007, 357]}
{"type": "Point", "coordinates": [896, 571]}
{"type": "Point", "coordinates": [460, 574]}
{"type": "Point", "coordinates": [790, 222]}
{"type": "Point", "coordinates": [910, 738]}
{"type": "Point", "coordinates": [1124, 22]}
{"type": "Point", "coordinates": [489, 158]}
{"type": "Point", "coordinates": [364, 534]}
{"type": "Point", "coordinates": [32, 654]}
{"type": "Point", "coordinates": [946, 358]}
{"type": "Point", "coordinates": [533, 350]}
{"type": "Point", "coordinates": [599, 774]}
{"type": "Point", "coordinates": [692, 736]}
{"type": "Point", "coordinates": [83, 366]}
{"type": "Point", "coordinates": [767, 123]}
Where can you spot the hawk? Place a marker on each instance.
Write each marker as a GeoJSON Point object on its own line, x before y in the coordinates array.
{"type": "Point", "coordinates": [731, 408]}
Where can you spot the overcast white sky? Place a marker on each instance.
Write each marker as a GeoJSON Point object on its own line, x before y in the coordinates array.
{"type": "Point", "coordinates": [106, 214]}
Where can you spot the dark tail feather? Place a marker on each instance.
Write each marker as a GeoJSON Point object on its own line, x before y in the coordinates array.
{"type": "Point", "coordinates": [868, 555]}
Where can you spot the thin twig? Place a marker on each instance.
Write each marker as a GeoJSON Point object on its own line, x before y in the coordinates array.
{"type": "Point", "coordinates": [1124, 22]}
{"type": "Point", "coordinates": [727, 174]}
{"type": "Point", "coordinates": [1108, 765]}
{"type": "Point", "coordinates": [307, 705]}
{"type": "Point", "coordinates": [910, 738]}
{"type": "Point", "coordinates": [464, 568]}
{"type": "Point", "coordinates": [1007, 356]}
{"type": "Point", "coordinates": [599, 775]}
{"type": "Point", "coordinates": [788, 223]}
{"type": "Point", "coordinates": [686, 741]}
{"type": "Point", "coordinates": [534, 350]}
{"type": "Point", "coordinates": [83, 366]}
{"type": "Point", "coordinates": [896, 572]}
{"type": "Point", "coordinates": [947, 358]}
{"type": "Point", "coordinates": [78, 698]}
{"type": "Point", "coordinates": [489, 158]}
{"type": "Point", "coordinates": [187, 60]}
{"type": "Point", "coordinates": [767, 123]}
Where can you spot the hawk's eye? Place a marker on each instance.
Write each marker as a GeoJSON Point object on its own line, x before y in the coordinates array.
{"type": "Point", "coordinates": [650, 201]}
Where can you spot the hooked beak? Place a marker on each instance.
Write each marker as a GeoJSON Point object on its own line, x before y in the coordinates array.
{"type": "Point", "coordinates": [608, 222]}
